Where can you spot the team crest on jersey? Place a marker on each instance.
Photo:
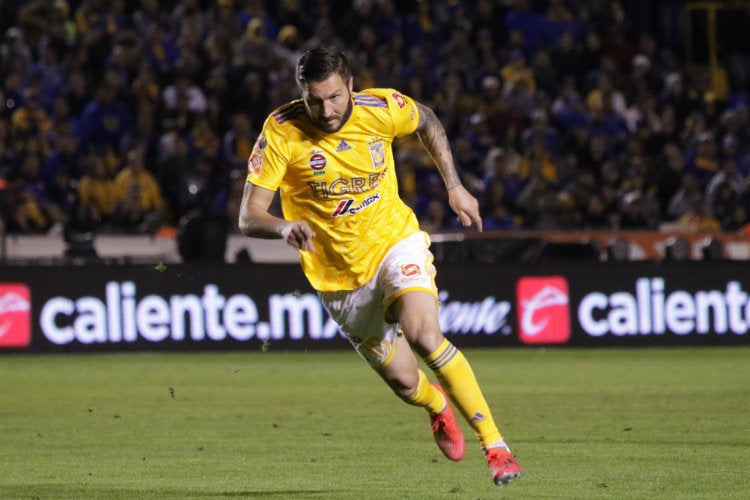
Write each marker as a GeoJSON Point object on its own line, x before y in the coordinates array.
{"type": "Point", "coordinates": [377, 153]}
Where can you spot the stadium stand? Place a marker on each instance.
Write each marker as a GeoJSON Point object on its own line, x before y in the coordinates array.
{"type": "Point", "coordinates": [136, 117]}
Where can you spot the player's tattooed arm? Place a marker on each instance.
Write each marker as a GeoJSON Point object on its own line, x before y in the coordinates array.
{"type": "Point", "coordinates": [432, 135]}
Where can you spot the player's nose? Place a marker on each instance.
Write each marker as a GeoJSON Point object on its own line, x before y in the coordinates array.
{"type": "Point", "coordinates": [328, 111]}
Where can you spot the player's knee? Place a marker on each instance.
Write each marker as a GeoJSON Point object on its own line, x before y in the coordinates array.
{"type": "Point", "coordinates": [425, 341]}
{"type": "Point", "coordinates": [405, 387]}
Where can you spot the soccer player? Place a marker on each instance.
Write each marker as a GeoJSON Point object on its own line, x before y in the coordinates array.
{"type": "Point", "coordinates": [361, 248]}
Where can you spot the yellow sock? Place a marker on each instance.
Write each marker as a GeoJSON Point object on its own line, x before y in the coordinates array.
{"type": "Point", "coordinates": [426, 396]}
{"type": "Point", "coordinates": [457, 378]}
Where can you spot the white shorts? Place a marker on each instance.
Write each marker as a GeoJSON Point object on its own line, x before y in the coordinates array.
{"type": "Point", "coordinates": [362, 314]}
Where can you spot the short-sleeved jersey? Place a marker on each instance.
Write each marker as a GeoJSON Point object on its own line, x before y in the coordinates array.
{"type": "Point", "coordinates": [343, 183]}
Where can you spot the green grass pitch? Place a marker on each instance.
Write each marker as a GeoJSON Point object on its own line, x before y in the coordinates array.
{"type": "Point", "coordinates": [606, 423]}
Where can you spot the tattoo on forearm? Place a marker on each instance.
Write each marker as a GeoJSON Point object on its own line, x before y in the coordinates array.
{"type": "Point", "coordinates": [432, 135]}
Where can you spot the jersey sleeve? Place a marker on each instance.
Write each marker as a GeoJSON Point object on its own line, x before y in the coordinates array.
{"type": "Point", "coordinates": [267, 163]}
{"type": "Point", "coordinates": [403, 110]}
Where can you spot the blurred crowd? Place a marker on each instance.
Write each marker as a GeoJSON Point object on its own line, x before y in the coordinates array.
{"type": "Point", "coordinates": [139, 116]}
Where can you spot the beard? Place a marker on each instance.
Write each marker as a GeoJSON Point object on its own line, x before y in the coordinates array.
{"type": "Point", "coordinates": [335, 123]}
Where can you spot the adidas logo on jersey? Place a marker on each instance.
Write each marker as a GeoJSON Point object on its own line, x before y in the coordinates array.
{"type": "Point", "coordinates": [343, 146]}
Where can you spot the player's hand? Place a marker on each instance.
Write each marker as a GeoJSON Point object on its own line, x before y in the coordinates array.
{"type": "Point", "coordinates": [299, 235]}
{"type": "Point", "coordinates": [465, 206]}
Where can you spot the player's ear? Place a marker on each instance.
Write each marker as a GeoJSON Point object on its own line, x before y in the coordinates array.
{"type": "Point", "coordinates": [350, 84]}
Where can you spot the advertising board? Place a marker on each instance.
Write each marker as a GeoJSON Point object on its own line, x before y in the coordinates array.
{"type": "Point", "coordinates": [227, 307]}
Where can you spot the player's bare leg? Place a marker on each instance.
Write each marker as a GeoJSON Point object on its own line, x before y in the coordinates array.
{"type": "Point", "coordinates": [417, 315]}
{"type": "Point", "coordinates": [402, 374]}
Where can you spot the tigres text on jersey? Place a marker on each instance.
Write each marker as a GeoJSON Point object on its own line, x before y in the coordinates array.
{"type": "Point", "coordinates": [343, 184]}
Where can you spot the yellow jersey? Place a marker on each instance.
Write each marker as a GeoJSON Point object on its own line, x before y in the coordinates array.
{"type": "Point", "coordinates": [343, 183]}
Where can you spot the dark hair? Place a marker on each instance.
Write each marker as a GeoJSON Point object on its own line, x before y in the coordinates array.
{"type": "Point", "coordinates": [320, 62]}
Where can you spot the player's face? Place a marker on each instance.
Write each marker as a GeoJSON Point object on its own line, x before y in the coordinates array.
{"type": "Point", "coordinates": [329, 102]}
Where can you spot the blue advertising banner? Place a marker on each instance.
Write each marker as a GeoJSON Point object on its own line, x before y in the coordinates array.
{"type": "Point", "coordinates": [228, 307]}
